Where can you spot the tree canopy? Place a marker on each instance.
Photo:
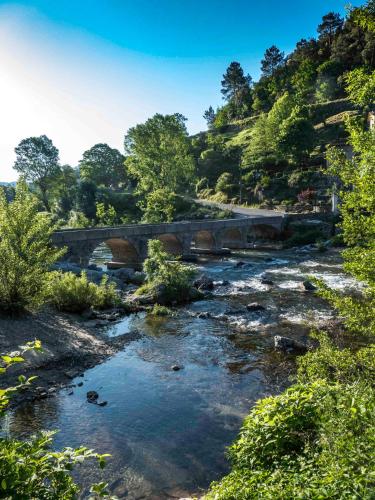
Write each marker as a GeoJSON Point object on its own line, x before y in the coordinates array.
{"type": "Point", "coordinates": [103, 165]}
{"type": "Point", "coordinates": [37, 159]}
{"type": "Point", "coordinates": [159, 154]}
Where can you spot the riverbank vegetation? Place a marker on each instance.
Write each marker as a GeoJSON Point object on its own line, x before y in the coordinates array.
{"type": "Point", "coordinates": [317, 439]}
{"type": "Point", "coordinates": [26, 252]}
{"type": "Point", "coordinates": [168, 281]}
{"type": "Point", "coordinates": [75, 294]}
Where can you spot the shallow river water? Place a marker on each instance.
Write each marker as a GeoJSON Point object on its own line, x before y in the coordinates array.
{"type": "Point", "coordinates": [167, 430]}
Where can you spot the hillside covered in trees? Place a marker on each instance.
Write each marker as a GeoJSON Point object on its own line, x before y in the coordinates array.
{"type": "Point", "coordinates": [267, 143]}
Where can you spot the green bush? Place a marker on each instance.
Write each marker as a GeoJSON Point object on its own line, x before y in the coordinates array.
{"type": "Point", "coordinates": [71, 293]}
{"type": "Point", "coordinates": [313, 441]}
{"type": "Point", "coordinates": [31, 469]}
{"type": "Point", "coordinates": [160, 206]}
{"type": "Point", "coordinates": [159, 310]}
{"type": "Point", "coordinates": [26, 253]}
{"type": "Point", "coordinates": [303, 237]}
{"type": "Point", "coordinates": [167, 279]}
{"type": "Point", "coordinates": [337, 365]}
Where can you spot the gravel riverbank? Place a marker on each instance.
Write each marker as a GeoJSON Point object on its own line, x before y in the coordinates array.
{"type": "Point", "coordinates": [70, 346]}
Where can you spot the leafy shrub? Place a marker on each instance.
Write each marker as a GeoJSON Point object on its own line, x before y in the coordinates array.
{"type": "Point", "coordinates": [78, 219]}
{"type": "Point", "coordinates": [303, 237]}
{"type": "Point", "coordinates": [165, 277]}
{"type": "Point", "coordinates": [159, 310]}
{"type": "Point", "coordinates": [337, 365]}
{"type": "Point", "coordinates": [338, 240]}
{"type": "Point", "coordinates": [26, 252]}
{"type": "Point", "coordinates": [106, 215]}
{"type": "Point", "coordinates": [71, 293]}
{"type": "Point", "coordinates": [160, 206]}
{"type": "Point", "coordinates": [31, 469]}
{"type": "Point", "coordinates": [312, 441]}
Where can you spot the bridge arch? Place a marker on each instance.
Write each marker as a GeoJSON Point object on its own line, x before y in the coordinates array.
{"type": "Point", "coordinates": [204, 240]}
{"type": "Point", "coordinates": [263, 231]}
{"type": "Point", "coordinates": [123, 251]}
{"type": "Point", "coordinates": [233, 238]}
{"type": "Point", "coordinates": [171, 243]}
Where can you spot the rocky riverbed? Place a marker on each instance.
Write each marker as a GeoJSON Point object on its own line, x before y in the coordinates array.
{"type": "Point", "coordinates": [169, 393]}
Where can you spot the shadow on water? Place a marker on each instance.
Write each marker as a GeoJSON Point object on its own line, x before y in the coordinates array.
{"type": "Point", "coordinates": [167, 430]}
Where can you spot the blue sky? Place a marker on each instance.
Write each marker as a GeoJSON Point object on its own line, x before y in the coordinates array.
{"type": "Point", "coordinates": [85, 71]}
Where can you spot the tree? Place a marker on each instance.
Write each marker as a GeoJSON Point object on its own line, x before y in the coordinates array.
{"type": "Point", "coordinates": [273, 59]}
{"type": "Point", "coordinates": [86, 198]}
{"type": "Point", "coordinates": [296, 138]}
{"type": "Point", "coordinates": [234, 81]}
{"type": "Point", "coordinates": [236, 89]}
{"type": "Point", "coordinates": [106, 216]}
{"type": "Point", "coordinates": [38, 161]}
{"type": "Point", "coordinates": [358, 224]}
{"type": "Point", "coordinates": [365, 16]}
{"type": "Point", "coordinates": [64, 191]}
{"type": "Point", "coordinates": [159, 154]}
{"type": "Point", "coordinates": [209, 116]}
{"type": "Point", "coordinates": [330, 25]}
{"type": "Point", "coordinates": [103, 165]}
{"type": "Point", "coordinates": [360, 85]}
{"type": "Point", "coordinates": [160, 207]}
{"type": "Point", "coordinates": [26, 253]}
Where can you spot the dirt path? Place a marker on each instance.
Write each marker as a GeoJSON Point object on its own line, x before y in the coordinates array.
{"type": "Point", "coordinates": [69, 347]}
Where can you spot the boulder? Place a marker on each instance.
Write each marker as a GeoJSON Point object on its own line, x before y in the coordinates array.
{"type": "Point", "coordinates": [195, 294]}
{"type": "Point", "coordinates": [240, 263]}
{"type": "Point", "coordinates": [204, 283]}
{"type": "Point", "coordinates": [266, 281]}
{"type": "Point", "coordinates": [125, 274]}
{"type": "Point", "coordinates": [92, 397]}
{"type": "Point", "coordinates": [255, 306]}
{"type": "Point", "coordinates": [308, 286]}
{"type": "Point", "coordinates": [288, 345]}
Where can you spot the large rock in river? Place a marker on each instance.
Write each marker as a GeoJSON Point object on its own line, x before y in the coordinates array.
{"type": "Point", "coordinates": [288, 345]}
{"type": "Point", "coordinates": [204, 283]}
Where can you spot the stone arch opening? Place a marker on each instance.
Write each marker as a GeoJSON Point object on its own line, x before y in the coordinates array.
{"type": "Point", "coordinates": [263, 232]}
{"type": "Point", "coordinates": [171, 244]}
{"type": "Point", "coordinates": [115, 253]}
{"type": "Point", "coordinates": [232, 238]}
{"type": "Point", "coordinates": [204, 240]}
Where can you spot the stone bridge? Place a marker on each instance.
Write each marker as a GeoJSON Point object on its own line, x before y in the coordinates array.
{"type": "Point", "coordinates": [128, 243]}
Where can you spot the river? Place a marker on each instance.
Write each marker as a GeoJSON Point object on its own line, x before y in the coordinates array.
{"type": "Point", "coordinates": [167, 430]}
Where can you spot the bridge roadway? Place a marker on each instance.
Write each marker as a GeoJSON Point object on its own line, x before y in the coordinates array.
{"type": "Point", "coordinates": [128, 243]}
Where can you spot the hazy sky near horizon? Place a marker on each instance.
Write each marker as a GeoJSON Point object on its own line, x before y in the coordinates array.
{"type": "Point", "coordinates": [85, 71]}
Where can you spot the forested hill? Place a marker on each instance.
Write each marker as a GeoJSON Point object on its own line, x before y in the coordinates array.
{"type": "Point", "coordinates": [267, 143]}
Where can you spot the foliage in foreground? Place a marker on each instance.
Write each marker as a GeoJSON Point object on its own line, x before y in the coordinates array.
{"type": "Point", "coordinates": [31, 469]}
{"type": "Point", "coordinates": [166, 277]}
{"type": "Point", "coordinates": [71, 293]}
{"type": "Point", "coordinates": [26, 253]}
{"type": "Point", "coordinates": [317, 439]}
{"type": "Point", "coordinates": [313, 441]}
